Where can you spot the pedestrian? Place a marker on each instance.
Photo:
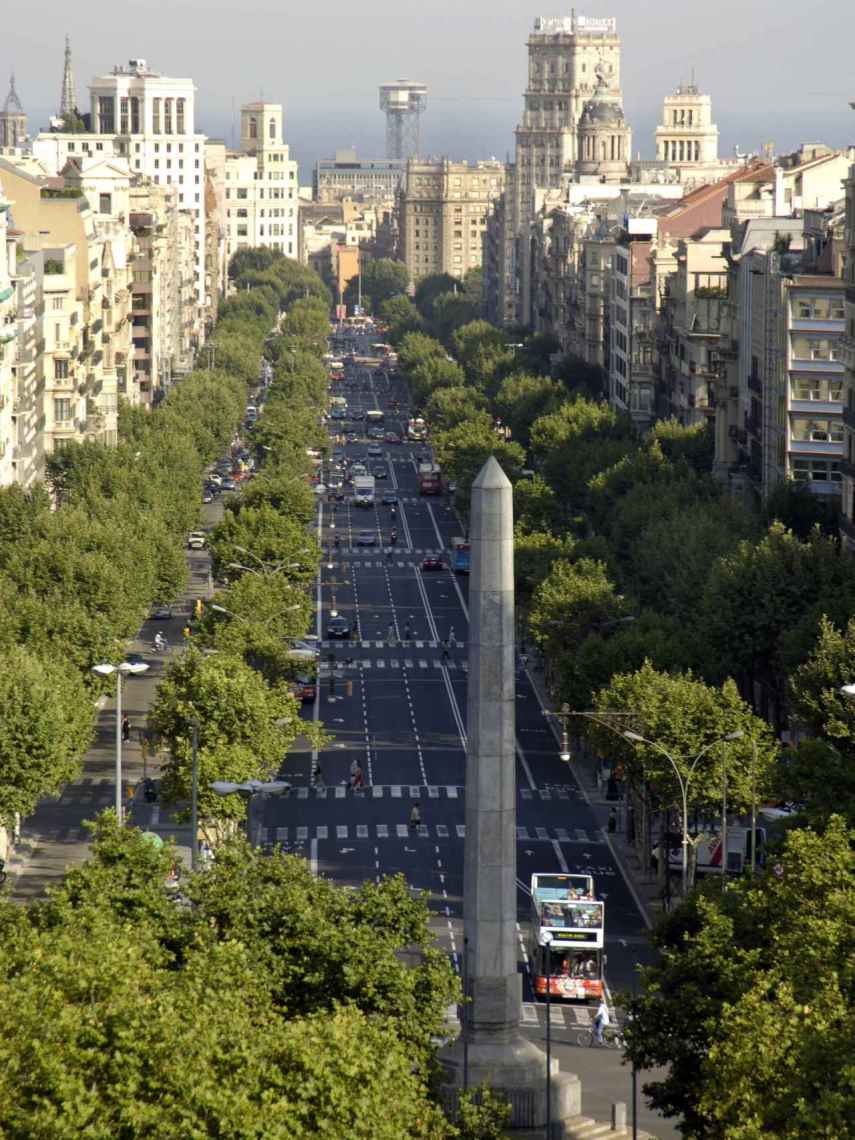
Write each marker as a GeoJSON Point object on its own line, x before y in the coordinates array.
{"type": "Point", "coordinates": [354, 767]}
{"type": "Point", "coordinates": [601, 1020]}
{"type": "Point", "coordinates": [612, 824]}
{"type": "Point", "coordinates": [317, 775]}
{"type": "Point", "coordinates": [445, 650]}
{"type": "Point", "coordinates": [390, 634]}
{"type": "Point", "coordinates": [358, 779]}
{"type": "Point", "coordinates": [126, 729]}
{"type": "Point", "coordinates": [452, 640]}
{"type": "Point", "coordinates": [407, 632]}
{"type": "Point", "coordinates": [415, 816]}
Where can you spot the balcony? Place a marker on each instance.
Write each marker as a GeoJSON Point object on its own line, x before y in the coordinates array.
{"type": "Point", "coordinates": [829, 449]}
{"type": "Point", "coordinates": [818, 365]}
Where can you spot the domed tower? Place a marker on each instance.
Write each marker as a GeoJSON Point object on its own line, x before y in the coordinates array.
{"type": "Point", "coordinates": [604, 136]}
{"type": "Point", "coordinates": [13, 120]}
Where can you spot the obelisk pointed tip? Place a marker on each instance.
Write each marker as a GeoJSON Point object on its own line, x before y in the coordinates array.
{"type": "Point", "coordinates": [491, 477]}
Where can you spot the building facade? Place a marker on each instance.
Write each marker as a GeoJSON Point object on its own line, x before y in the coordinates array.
{"type": "Point", "coordinates": [361, 179]}
{"type": "Point", "coordinates": [13, 121]}
{"type": "Point", "coordinates": [847, 355]}
{"type": "Point", "coordinates": [442, 215]}
{"type": "Point", "coordinates": [260, 185]}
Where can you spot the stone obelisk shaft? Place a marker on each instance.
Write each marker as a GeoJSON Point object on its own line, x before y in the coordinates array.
{"type": "Point", "coordinates": [489, 876]}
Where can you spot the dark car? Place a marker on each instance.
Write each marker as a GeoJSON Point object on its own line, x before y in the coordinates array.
{"type": "Point", "coordinates": [366, 538]}
{"type": "Point", "coordinates": [135, 659]}
{"type": "Point", "coordinates": [433, 564]}
{"type": "Point", "coordinates": [379, 471]}
{"type": "Point", "coordinates": [390, 499]}
{"type": "Point", "coordinates": [351, 437]}
{"type": "Point", "coordinates": [392, 437]}
{"type": "Point", "coordinates": [229, 485]}
{"type": "Point", "coordinates": [374, 433]}
{"type": "Point", "coordinates": [338, 628]}
{"type": "Point", "coordinates": [161, 613]}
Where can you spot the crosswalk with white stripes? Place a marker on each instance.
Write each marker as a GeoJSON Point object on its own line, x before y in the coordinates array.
{"type": "Point", "coordinates": [287, 835]}
{"type": "Point", "coordinates": [392, 663]}
{"type": "Point", "coordinates": [420, 792]}
{"type": "Point", "coordinates": [380, 644]}
{"type": "Point", "coordinates": [560, 1016]}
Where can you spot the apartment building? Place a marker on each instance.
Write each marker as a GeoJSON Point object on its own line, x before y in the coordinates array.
{"type": "Point", "coordinates": [260, 185]}
{"type": "Point", "coordinates": [149, 120]}
{"type": "Point", "coordinates": [8, 347]}
{"type": "Point", "coordinates": [498, 284]}
{"type": "Point", "coordinates": [847, 355]}
{"type": "Point", "coordinates": [692, 284]}
{"type": "Point", "coordinates": [442, 215]}
{"type": "Point", "coordinates": [360, 179]}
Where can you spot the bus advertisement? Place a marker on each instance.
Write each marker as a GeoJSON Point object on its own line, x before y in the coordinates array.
{"type": "Point", "coordinates": [460, 556]}
{"type": "Point", "coordinates": [565, 906]}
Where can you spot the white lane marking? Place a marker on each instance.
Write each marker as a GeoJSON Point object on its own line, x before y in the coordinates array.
{"type": "Point", "coordinates": [434, 633]}
{"type": "Point", "coordinates": [559, 855]}
{"type": "Point", "coordinates": [455, 707]}
{"type": "Point", "coordinates": [321, 831]}
{"type": "Point", "coordinates": [439, 541]}
{"type": "Point", "coordinates": [403, 831]}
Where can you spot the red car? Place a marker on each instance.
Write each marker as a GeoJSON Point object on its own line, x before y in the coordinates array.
{"type": "Point", "coordinates": [304, 689]}
{"type": "Point", "coordinates": [433, 564]}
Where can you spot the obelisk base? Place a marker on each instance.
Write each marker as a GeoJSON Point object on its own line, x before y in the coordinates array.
{"type": "Point", "coordinates": [514, 1068]}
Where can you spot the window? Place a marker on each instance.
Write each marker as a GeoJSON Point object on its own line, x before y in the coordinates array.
{"type": "Point", "coordinates": [105, 204]}
{"type": "Point", "coordinates": [816, 471]}
{"type": "Point", "coordinates": [167, 116]}
{"type": "Point", "coordinates": [271, 131]}
{"type": "Point", "coordinates": [124, 114]}
{"type": "Point", "coordinates": [179, 116]}
{"type": "Point", "coordinates": [155, 118]}
{"type": "Point", "coordinates": [816, 388]}
{"type": "Point", "coordinates": [814, 348]}
{"type": "Point", "coordinates": [242, 192]}
{"type": "Point", "coordinates": [57, 304]}
{"type": "Point", "coordinates": [61, 410]}
{"type": "Point", "coordinates": [817, 431]}
{"type": "Point", "coordinates": [253, 127]}
{"type": "Point", "coordinates": [135, 116]}
{"type": "Point", "coordinates": [60, 369]}
{"type": "Point", "coordinates": [107, 114]}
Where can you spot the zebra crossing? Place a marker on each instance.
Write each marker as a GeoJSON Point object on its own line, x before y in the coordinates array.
{"type": "Point", "coordinates": [560, 1016]}
{"type": "Point", "coordinates": [285, 836]}
{"type": "Point", "coordinates": [356, 558]}
{"type": "Point", "coordinates": [426, 791]}
{"type": "Point", "coordinates": [399, 663]}
{"type": "Point", "coordinates": [381, 644]}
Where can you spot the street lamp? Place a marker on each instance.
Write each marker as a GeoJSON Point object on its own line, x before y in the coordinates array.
{"type": "Point", "coordinates": [545, 939]}
{"type": "Point", "coordinates": [247, 790]}
{"type": "Point", "coordinates": [123, 669]}
{"type": "Point", "coordinates": [637, 738]}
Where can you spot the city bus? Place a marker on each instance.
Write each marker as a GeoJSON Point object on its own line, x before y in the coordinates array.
{"type": "Point", "coordinates": [565, 906]}
{"type": "Point", "coordinates": [460, 556]}
{"type": "Point", "coordinates": [374, 418]}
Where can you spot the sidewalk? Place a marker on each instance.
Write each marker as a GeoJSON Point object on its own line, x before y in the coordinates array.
{"type": "Point", "coordinates": [53, 838]}
{"type": "Point", "coordinates": [641, 882]}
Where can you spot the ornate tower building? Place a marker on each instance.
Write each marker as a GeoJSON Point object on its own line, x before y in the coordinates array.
{"type": "Point", "coordinates": [604, 137]}
{"type": "Point", "coordinates": [687, 135]}
{"type": "Point", "coordinates": [13, 120]}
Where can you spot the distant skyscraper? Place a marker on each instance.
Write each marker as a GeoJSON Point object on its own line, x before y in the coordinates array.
{"type": "Point", "coordinates": [68, 99]}
{"type": "Point", "coordinates": [13, 120]}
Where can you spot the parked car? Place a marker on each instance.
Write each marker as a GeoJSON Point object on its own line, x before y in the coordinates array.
{"type": "Point", "coordinates": [197, 540]}
{"type": "Point", "coordinates": [229, 484]}
{"type": "Point", "coordinates": [216, 479]}
{"type": "Point", "coordinates": [303, 650]}
{"type": "Point", "coordinates": [366, 538]}
{"type": "Point", "coordinates": [338, 628]}
{"type": "Point", "coordinates": [433, 563]}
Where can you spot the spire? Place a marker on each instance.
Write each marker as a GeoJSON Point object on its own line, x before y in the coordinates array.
{"type": "Point", "coordinates": [68, 99]}
{"type": "Point", "coordinates": [13, 103]}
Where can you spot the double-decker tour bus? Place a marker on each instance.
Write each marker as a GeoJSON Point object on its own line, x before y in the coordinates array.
{"type": "Point", "coordinates": [565, 906]}
{"type": "Point", "coordinates": [460, 556]}
{"type": "Point", "coordinates": [417, 429]}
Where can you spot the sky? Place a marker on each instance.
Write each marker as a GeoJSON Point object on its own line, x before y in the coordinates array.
{"type": "Point", "coordinates": [778, 70]}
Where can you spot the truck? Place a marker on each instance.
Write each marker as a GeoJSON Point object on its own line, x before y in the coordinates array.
{"type": "Point", "coordinates": [708, 848]}
{"type": "Point", "coordinates": [430, 479]}
{"type": "Point", "coordinates": [363, 490]}
{"type": "Point", "coordinates": [417, 429]}
{"type": "Point", "coordinates": [460, 556]}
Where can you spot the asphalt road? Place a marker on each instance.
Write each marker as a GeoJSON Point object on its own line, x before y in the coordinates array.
{"type": "Point", "coordinates": [396, 704]}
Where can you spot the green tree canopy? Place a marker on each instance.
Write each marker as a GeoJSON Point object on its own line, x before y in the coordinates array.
{"type": "Point", "coordinates": [463, 450]}
{"type": "Point", "coordinates": [382, 280]}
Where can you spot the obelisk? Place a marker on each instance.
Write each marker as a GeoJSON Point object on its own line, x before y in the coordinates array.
{"type": "Point", "coordinates": [491, 1049]}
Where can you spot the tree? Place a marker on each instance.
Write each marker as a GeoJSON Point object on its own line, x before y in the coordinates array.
{"type": "Point", "coordinates": [483, 352]}
{"type": "Point", "coordinates": [382, 280]}
{"type": "Point", "coordinates": [46, 722]}
{"type": "Point", "coordinates": [536, 506]}
{"type": "Point", "coordinates": [535, 555]}
{"type": "Point", "coordinates": [693, 445]}
{"type": "Point", "coordinates": [447, 406]}
{"type": "Point", "coordinates": [523, 398]}
{"type": "Point", "coordinates": [260, 540]}
{"type": "Point", "coordinates": [450, 312]}
{"type": "Point", "coordinates": [748, 1007]}
{"type": "Point", "coordinates": [686, 718]}
{"type": "Point", "coordinates": [432, 374]}
{"type": "Point", "coordinates": [402, 317]}
{"type": "Point", "coordinates": [463, 450]}
{"type": "Point", "coordinates": [245, 728]}
{"type": "Point", "coordinates": [431, 287]}
{"type": "Point", "coordinates": [573, 600]}
{"type": "Point", "coordinates": [580, 378]}
{"type": "Point", "coordinates": [575, 442]}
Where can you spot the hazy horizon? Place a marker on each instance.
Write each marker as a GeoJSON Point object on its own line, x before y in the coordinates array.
{"type": "Point", "coordinates": [326, 70]}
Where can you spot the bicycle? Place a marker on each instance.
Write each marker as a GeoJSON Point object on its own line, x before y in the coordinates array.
{"type": "Point", "coordinates": [612, 1038]}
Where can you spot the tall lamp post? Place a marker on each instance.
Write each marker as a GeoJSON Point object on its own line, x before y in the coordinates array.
{"type": "Point", "coordinates": [545, 939]}
{"type": "Point", "coordinates": [683, 781]}
{"type": "Point", "coordinates": [123, 669]}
